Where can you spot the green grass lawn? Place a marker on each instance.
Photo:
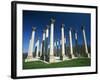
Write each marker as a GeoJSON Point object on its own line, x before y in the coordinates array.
{"type": "Point", "coordinates": [68, 63]}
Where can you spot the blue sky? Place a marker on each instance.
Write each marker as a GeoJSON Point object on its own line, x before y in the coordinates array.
{"type": "Point", "coordinates": [40, 19]}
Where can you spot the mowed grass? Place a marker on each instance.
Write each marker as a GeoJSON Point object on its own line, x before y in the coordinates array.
{"type": "Point", "coordinates": [68, 63]}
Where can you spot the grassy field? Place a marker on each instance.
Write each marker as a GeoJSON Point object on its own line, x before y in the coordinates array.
{"type": "Point", "coordinates": [68, 63]}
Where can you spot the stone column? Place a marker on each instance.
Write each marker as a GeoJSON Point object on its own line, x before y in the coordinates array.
{"type": "Point", "coordinates": [71, 45]}
{"type": "Point", "coordinates": [52, 58]}
{"type": "Point", "coordinates": [85, 42]}
{"type": "Point", "coordinates": [43, 46]}
{"type": "Point", "coordinates": [46, 43]}
{"type": "Point", "coordinates": [32, 39]}
{"type": "Point", "coordinates": [76, 45]}
{"type": "Point", "coordinates": [63, 57]}
{"type": "Point", "coordinates": [31, 45]}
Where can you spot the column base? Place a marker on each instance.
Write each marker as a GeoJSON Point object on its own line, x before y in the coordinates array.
{"type": "Point", "coordinates": [51, 59]}
{"type": "Point", "coordinates": [64, 58]}
{"type": "Point", "coordinates": [57, 58]}
{"type": "Point", "coordinates": [30, 58]}
{"type": "Point", "coordinates": [88, 55]}
{"type": "Point", "coordinates": [37, 57]}
{"type": "Point", "coordinates": [73, 57]}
